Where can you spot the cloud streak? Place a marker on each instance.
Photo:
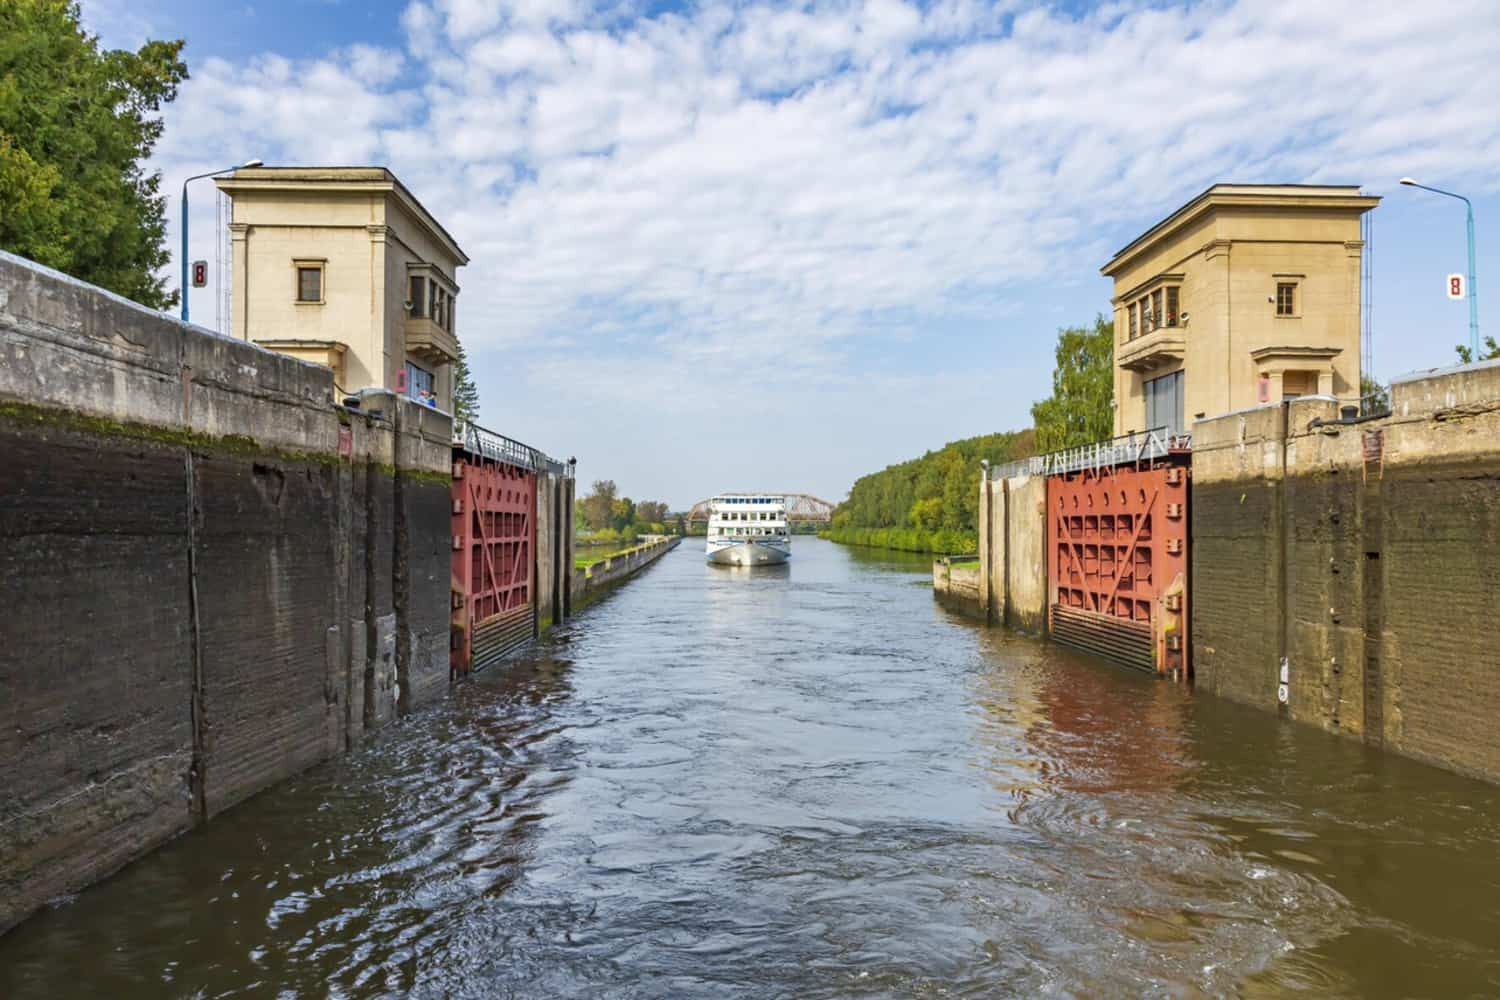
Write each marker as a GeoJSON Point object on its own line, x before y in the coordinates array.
{"type": "Point", "coordinates": [816, 191]}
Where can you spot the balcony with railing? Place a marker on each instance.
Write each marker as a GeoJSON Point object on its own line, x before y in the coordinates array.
{"type": "Point", "coordinates": [1157, 348]}
{"type": "Point", "coordinates": [426, 339]}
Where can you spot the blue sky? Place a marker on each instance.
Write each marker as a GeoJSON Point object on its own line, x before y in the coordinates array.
{"type": "Point", "coordinates": [775, 246]}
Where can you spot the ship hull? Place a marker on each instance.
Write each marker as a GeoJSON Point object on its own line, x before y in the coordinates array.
{"type": "Point", "coordinates": [748, 554]}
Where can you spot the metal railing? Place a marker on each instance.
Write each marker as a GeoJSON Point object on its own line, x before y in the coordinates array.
{"type": "Point", "coordinates": [1143, 447]}
{"type": "Point", "coordinates": [483, 441]}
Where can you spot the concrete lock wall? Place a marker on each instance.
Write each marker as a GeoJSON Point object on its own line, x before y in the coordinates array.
{"type": "Point", "coordinates": [554, 548]}
{"type": "Point", "coordinates": [214, 578]}
{"type": "Point", "coordinates": [1012, 552]}
{"type": "Point", "coordinates": [1343, 573]}
{"type": "Point", "coordinates": [589, 582]}
{"type": "Point", "coordinates": [959, 578]}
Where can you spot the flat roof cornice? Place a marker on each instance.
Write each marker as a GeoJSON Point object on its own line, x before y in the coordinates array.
{"type": "Point", "coordinates": [1292, 196]}
{"type": "Point", "coordinates": [341, 180]}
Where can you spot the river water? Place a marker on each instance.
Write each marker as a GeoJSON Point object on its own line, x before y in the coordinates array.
{"type": "Point", "coordinates": [809, 782]}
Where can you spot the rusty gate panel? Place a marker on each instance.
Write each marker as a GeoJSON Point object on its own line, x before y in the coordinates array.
{"type": "Point", "coordinates": [1117, 562]}
{"type": "Point", "coordinates": [494, 535]}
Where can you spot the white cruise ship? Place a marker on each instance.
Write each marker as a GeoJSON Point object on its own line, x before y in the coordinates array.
{"type": "Point", "coordinates": [748, 529]}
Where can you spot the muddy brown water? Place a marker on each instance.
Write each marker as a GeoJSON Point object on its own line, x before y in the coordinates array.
{"type": "Point", "coordinates": [809, 782]}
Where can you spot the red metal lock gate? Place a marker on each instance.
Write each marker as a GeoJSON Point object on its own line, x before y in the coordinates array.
{"type": "Point", "coordinates": [1117, 562]}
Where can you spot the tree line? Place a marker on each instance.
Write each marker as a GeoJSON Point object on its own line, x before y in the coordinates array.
{"type": "Point", "coordinates": [927, 504]}
{"type": "Point", "coordinates": [604, 516]}
{"type": "Point", "coordinates": [931, 504]}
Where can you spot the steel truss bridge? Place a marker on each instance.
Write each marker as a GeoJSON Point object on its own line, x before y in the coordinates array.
{"type": "Point", "coordinates": [801, 508]}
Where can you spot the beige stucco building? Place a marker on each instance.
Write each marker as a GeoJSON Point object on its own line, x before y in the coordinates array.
{"type": "Point", "coordinates": [342, 266]}
{"type": "Point", "coordinates": [1247, 294]}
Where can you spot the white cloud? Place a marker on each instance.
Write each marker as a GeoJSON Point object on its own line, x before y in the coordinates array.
{"type": "Point", "coordinates": [799, 187]}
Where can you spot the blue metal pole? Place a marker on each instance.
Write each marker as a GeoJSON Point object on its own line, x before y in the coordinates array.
{"type": "Point", "coordinates": [1473, 280]}
{"type": "Point", "coordinates": [184, 286]}
{"type": "Point", "coordinates": [184, 262]}
{"type": "Point", "coordinates": [1473, 288]}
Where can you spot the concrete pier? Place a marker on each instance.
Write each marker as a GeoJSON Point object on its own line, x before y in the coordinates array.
{"type": "Point", "coordinates": [590, 582]}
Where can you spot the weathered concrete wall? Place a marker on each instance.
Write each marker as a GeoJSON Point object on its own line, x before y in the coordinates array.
{"type": "Point", "coordinates": [959, 579]}
{"type": "Point", "coordinates": [591, 581]}
{"type": "Point", "coordinates": [1026, 553]}
{"type": "Point", "coordinates": [96, 724]}
{"type": "Point", "coordinates": [208, 568]}
{"type": "Point", "coordinates": [992, 519]}
{"type": "Point", "coordinates": [548, 538]}
{"type": "Point", "coordinates": [554, 548]}
{"type": "Point", "coordinates": [1362, 556]}
{"type": "Point", "coordinates": [1010, 586]}
{"type": "Point", "coordinates": [423, 552]}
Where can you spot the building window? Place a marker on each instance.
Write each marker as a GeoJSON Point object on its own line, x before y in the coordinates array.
{"type": "Point", "coordinates": [1158, 315]}
{"type": "Point", "coordinates": [1286, 298]}
{"type": "Point", "coordinates": [1147, 320]}
{"type": "Point", "coordinates": [309, 282]}
{"type": "Point", "coordinates": [417, 305]}
{"type": "Point", "coordinates": [1131, 311]}
{"type": "Point", "coordinates": [1171, 305]}
{"type": "Point", "coordinates": [418, 383]}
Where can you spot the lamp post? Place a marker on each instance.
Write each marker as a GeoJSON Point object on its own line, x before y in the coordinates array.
{"type": "Point", "coordinates": [184, 262]}
{"type": "Point", "coordinates": [1473, 286]}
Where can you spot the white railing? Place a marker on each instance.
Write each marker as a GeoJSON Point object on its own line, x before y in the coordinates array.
{"type": "Point", "coordinates": [483, 441]}
{"type": "Point", "coordinates": [1143, 447]}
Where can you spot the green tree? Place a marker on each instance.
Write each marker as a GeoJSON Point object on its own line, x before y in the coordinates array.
{"type": "Point", "coordinates": [927, 515]}
{"type": "Point", "coordinates": [76, 123]}
{"type": "Point", "coordinates": [682, 526]}
{"type": "Point", "coordinates": [1489, 352]}
{"type": "Point", "coordinates": [465, 392]}
{"type": "Point", "coordinates": [1079, 411]}
{"type": "Point", "coordinates": [928, 504]}
{"type": "Point", "coordinates": [1373, 397]}
{"type": "Point", "coordinates": [598, 506]}
{"type": "Point", "coordinates": [622, 513]}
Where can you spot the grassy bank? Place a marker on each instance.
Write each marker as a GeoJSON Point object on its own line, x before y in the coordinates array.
{"type": "Point", "coordinates": [593, 554]}
{"type": "Point", "coordinates": [587, 555]}
{"type": "Point", "coordinates": [906, 539]}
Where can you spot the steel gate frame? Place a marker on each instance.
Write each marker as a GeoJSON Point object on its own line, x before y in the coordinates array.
{"type": "Point", "coordinates": [1117, 562]}
{"type": "Point", "coordinates": [494, 539]}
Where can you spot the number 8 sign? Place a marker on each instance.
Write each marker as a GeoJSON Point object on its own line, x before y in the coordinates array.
{"type": "Point", "coordinates": [1455, 286]}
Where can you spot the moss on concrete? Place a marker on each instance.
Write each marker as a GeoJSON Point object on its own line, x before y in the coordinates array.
{"type": "Point", "coordinates": [176, 437]}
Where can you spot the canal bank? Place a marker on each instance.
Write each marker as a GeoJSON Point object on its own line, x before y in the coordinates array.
{"type": "Point", "coordinates": [592, 581]}
{"type": "Point", "coordinates": [810, 782]}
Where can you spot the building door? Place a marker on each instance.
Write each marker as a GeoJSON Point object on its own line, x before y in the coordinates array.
{"type": "Point", "coordinates": [1164, 404]}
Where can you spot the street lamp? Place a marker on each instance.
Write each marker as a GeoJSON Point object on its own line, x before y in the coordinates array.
{"type": "Point", "coordinates": [1473, 286]}
{"type": "Point", "coordinates": [211, 173]}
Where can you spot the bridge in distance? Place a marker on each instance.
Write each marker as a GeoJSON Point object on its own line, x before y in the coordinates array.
{"type": "Point", "coordinates": [801, 508]}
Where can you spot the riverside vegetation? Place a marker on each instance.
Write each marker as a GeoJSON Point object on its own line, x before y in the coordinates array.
{"type": "Point", "coordinates": [605, 518]}
{"type": "Point", "coordinates": [930, 504]}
